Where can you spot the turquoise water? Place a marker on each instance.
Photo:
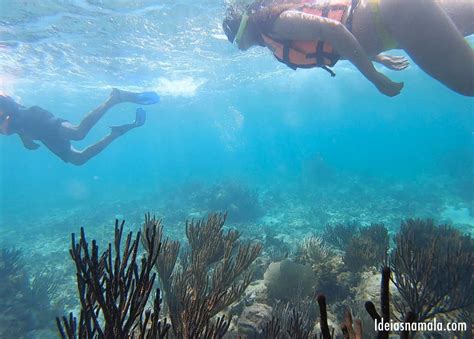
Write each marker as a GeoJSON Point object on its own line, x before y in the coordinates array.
{"type": "Point", "coordinates": [315, 149]}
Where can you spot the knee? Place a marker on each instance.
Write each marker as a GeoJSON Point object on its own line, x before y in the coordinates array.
{"type": "Point", "coordinates": [75, 158]}
{"type": "Point", "coordinates": [79, 134]}
{"type": "Point", "coordinates": [73, 132]}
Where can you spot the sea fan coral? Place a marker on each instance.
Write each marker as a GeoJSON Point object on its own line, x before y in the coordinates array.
{"type": "Point", "coordinates": [339, 235]}
{"type": "Point", "coordinates": [289, 281]}
{"type": "Point", "coordinates": [211, 275]}
{"type": "Point", "coordinates": [433, 269]}
{"type": "Point", "coordinates": [368, 248]}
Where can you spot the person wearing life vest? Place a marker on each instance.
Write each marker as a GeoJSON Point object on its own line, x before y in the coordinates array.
{"type": "Point", "coordinates": [317, 33]}
{"type": "Point", "coordinates": [36, 123]}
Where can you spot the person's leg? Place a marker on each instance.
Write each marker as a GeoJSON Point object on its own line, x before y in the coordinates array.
{"type": "Point", "coordinates": [79, 132]}
{"type": "Point", "coordinates": [81, 157]}
{"type": "Point", "coordinates": [428, 35]}
{"type": "Point", "coordinates": [461, 13]}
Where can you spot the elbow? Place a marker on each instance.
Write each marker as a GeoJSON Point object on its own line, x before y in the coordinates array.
{"type": "Point", "coordinates": [334, 31]}
{"type": "Point", "coordinates": [338, 28]}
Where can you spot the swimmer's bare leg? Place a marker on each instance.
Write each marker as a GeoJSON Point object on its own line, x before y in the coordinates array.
{"type": "Point", "coordinates": [79, 132]}
{"type": "Point", "coordinates": [432, 40]}
{"type": "Point", "coordinates": [81, 157]}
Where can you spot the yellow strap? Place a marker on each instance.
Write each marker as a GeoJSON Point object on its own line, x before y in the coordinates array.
{"type": "Point", "coordinates": [387, 39]}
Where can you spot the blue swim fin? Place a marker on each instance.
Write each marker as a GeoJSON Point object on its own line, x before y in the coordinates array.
{"type": "Point", "coordinates": [147, 98]}
{"type": "Point", "coordinates": [140, 117]}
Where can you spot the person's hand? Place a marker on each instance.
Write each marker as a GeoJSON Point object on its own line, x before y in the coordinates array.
{"type": "Point", "coordinates": [28, 143]}
{"type": "Point", "coordinates": [396, 63]}
{"type": "Point", "coordinates": [387, 86]}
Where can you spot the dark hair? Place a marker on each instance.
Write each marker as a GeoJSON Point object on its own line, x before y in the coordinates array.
{"type": "Point", "coordinates": [262, 14]}
{"type": "Point", "coordinates": [8, 106]}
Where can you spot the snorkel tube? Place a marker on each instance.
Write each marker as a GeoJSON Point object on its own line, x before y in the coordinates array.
{"type": "Point", "coordinates": [242, 27]}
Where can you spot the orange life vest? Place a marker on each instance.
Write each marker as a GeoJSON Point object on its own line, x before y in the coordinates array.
{"type": "Point", "coordinates": [307, 54]}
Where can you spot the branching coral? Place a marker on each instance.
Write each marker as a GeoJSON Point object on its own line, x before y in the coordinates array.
{"type": "Point", "coordinates": [325, 262]}
{"type": "Point", "coordinates": [368, 248]}
{"type": "Point", "coordinates": [290, 321]}
{"type": "Point", "coordinates": [351, 329]}
{"type": "Point", "coordinates": [114, 290]}
{"type": "Point", "coordinates": [433, 269]}
{"type": "Point", "coordinates": [339, 235]}
{"type": "Point", "coordinates": [213, 274]}
{"type": "Point", "coordinates": [315, 251]}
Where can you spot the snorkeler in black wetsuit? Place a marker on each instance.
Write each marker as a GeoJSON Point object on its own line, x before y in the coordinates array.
{"type": "Point", "coordinates": [35, 123]}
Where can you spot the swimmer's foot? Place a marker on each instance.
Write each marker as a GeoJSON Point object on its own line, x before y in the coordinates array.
{"type": "Point", "coordinates": [143, 98]}
{"type": "Point", "coordinates": [140, 118]}
{"type": "Point", "coordinates": [121, 130]}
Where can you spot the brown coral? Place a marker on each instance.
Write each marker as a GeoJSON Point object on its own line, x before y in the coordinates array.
{"type": "Point", "coordinates": [213, 274]}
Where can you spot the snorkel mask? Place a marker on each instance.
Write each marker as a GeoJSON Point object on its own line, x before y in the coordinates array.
{"type": "Point", "coordinates": [236, 22]}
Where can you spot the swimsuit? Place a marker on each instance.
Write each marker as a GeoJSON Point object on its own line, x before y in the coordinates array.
{"type": "Point", "coordinates": [39, 124]}
{"type": "Point", "coordinates": [387, 40]}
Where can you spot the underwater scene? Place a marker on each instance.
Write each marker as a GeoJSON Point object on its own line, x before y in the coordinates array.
{"type": "Point", "coordinates": [165, 174]}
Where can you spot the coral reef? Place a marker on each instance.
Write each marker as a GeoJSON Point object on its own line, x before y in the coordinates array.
{"type": "Point", "coordinates": [289, 281]}
{"type": "Point", "coordinates": [339, 235]}
{"type": "Point", "coordinates": [433, 269]}
{"type": "Point", "coordinates": [274, 248]}
{"type": "Point", "coordinates": [114, 290]}
{"type": "Point", "coordinates": [292, 322]}
{"type": "Point", "coordinates": [204, 283]}
{"type": "Point", "coordinates": [367, 248]}
{"type": "Point", "coordinates": [253, 318]}
{"type": "Point", "coordinates": [325, 262]}
{"type": "Point", "coordinates": [315, 251]}
{"type": "Point", "coordinates": [297, 317]}
{"type": "Point", "coordinates": [24, 307]}
{"type": "Point", "coordinates": [243, 202]}
{"type": "Point", "coordinates": [240, 201]}
{"type": "Point", "coordinates": [212, 274]}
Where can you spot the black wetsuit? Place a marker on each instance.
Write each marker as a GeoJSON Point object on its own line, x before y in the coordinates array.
{"type": "Point", "coordinates": [38, 124]}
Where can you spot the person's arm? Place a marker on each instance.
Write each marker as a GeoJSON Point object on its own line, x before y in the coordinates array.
{"type": "Point", "coordinates": [297, 25]}
{"type": "Point", "coordinates": [28, 142]}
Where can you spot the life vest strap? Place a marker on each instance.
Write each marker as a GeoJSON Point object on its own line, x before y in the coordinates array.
{"type": "Point", "coordinates": [327, 69]}
{"type": "Point", "coordinates": [286, 51]}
